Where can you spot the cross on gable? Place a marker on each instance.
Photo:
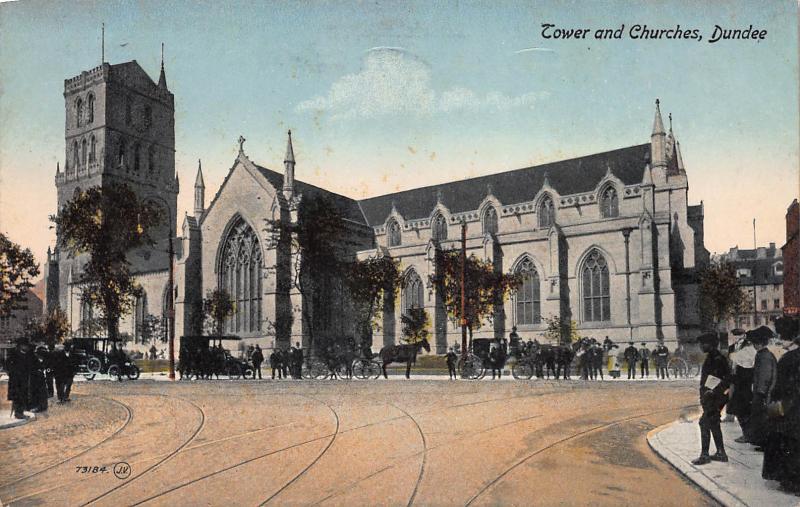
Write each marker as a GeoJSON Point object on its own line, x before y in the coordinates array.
{"type": "Point", "coordinates": [241, 143]}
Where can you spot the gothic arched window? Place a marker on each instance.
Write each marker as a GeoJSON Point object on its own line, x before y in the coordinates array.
{"type": "Point", "coordinates": [393, 231]}
{"type": "Point", "coordinates": [84, 153]}
{"type": "Point", "coordinates": [413, 296]}
{"type": "Point", "coordinates": [151, 159]}
{"type": "Point", "coordinates": [76, 156]}
{"type": "Point", "coordinates": [90, 109]}
{"type": "Point", "coordinates": [78, 112]}
{"type": "Point", "coordinates": [439, 227]}
{"type": "Point", "coordinates": [546, 212]}
{"type": "Point", "coordinates": [490, 220]}
{"type": "Point", "coordinates": [137, 155]}
{"type": "Point", "coordinates": [594, 285]}
{"type": "Point", "coordinates": [241, 274]}
{"type": "Point", "coordinates": [609, 203]}
{"type": "Point", "coordinates": [92, 149]}
{"type": "Point", "coordinates": [527, 299]}
{"type": "Point", "coordinates": [121, 153]}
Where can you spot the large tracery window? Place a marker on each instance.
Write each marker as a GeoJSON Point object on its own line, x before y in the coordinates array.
{"type": "Point", "coordinates": [594, 283]}
{"type": "Point", "coordinates": [79, 112]}
{"type": "Point", "coordinates": [609, 204]}
{"type": "Point", "coordinates": [84, 153]}
{"type": "Point", "coordinates": [393, 230]}
{"type": "Point", "coordinates": [490, 220]}
{"type": "Point", "coordinates": [439, 227]}
{"type": "Point", "coordinates": [527, 300]}
{"type": "Point", "coordinates": [241, 273]}
{"type": "Point", "coordinates": [546, 212]}
{"type": "Point", "coordinates": [90, 109]}
{"type": "Point", "coordinates": [413, 293]}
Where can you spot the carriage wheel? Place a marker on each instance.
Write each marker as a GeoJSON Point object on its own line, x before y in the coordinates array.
{"type": "Point", "coordinates": [341, 371]}
{"type": "Point", "coordinates": [94, 365]}
{"type": "Point", "coordinates": [471, 368]}
{"type": "Point", "coordinates": [678, 368]}
{"type": "Point", "coordinates": [134, 372]}
{"type": "Point", "coordinates": [249, 373]}
{"type": "Point", "coordinates": [361, 369]}
{"type": "Point", "coordinates": [522, 370]}
{"type": "Point", "coordinates": [113, 371]}
{"type": "Point", "coordinates": [307, 371]}
{"type": "Point", "coordinates": [234, 371]}
{"type": "Point", "coordinates": [376, 369]}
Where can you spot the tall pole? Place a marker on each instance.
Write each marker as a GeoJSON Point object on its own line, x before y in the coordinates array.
{"type": "Point", "coordinates": [103, 44]}
{"type": "Point", "coordinates": [171, 303]}
{"type": "Point", "coordinates": [464, 288]}
{"type": "Point", "coordinates": [755, 264]}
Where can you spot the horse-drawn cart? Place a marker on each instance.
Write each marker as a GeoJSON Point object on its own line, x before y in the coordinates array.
{"type": "Point", "coordinates": [474, 365]}
{"type": "Point", "coordinates": [204, 356]}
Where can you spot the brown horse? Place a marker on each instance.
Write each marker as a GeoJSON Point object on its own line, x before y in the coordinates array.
{"type": "Point", "coordinates": [402, 354]}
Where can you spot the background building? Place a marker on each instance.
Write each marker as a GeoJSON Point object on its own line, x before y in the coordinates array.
{"type": "Point", "coordinates": [791, 258]}
{"type": "Point", "coordinates": [761, 276]}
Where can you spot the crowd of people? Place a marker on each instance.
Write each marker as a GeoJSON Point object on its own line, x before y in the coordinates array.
{"type": "Point", "coordinates": [36, 374]}
{"type": "Point", "coordinates": [763, 393]}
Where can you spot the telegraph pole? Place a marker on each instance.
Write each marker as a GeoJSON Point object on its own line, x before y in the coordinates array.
{"type": "Point", "coordinates": [463, 288]}
{"type": "Point", "coordinates": [755, 264]}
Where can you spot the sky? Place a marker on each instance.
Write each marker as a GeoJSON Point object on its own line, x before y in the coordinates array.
{"type": "Point", "coordinates": [385, 96]}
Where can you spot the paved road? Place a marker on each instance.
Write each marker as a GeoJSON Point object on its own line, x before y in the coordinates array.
{"type": "Point", "coordinates": [350, 443]}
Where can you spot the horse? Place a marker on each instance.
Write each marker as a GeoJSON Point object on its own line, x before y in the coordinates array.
{"type": "Point", "coordinates": [402, 354]}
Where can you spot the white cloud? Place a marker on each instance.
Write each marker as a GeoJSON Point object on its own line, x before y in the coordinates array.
{"type": "Point", "coordinates": [394, 81]}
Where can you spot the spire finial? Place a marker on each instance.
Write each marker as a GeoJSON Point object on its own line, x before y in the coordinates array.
{"type": "Point", "coordinates": [162, 78]}
{"type": "Point", "coordinates": [658, 124]}
{"type": "Point", "coordinates": [289, 150]}
{"type": "Point", "coordinates": [162, 55]}
{"type": "Point", "coordinates": [198, 181]}
{"type": "Point", "coordinates": [241, 144]}
{"type": "Point", "coordinates": [670, 123]}
{"type": "Point", "coordinates": [102, 43]}
{"type": "Point", "coordinates": [58, 167]}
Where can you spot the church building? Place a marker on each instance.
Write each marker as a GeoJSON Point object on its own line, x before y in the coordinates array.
{"type": "Point", "coordinates": [608, 241]}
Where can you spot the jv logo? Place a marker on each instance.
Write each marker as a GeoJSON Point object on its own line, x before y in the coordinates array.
{"type": "Point", "coordinates": [122, 470]}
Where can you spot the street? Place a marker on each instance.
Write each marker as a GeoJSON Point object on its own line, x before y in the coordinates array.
{"type": "Point", "coordinates": [421, 442]}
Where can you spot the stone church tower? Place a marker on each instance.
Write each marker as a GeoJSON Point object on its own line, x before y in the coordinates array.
{"type": "Point", "coordinates": [119, 128]}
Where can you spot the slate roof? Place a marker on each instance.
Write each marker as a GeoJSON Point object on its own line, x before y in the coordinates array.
{"type": "Point", "coordinates": [763, 271]}
{"type": "Point", "coordinates": [567, 177]}
{"type": "Point", "coordinates": [348, 207]}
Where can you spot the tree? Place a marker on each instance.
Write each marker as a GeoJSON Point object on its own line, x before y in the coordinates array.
{"type": "Point", "coordinates": [217, 307]}
{"type": "Point", "coordinates": [151, 327]}
{"type": "Point", "coordinates": [50, 329]}
{"type": "Point", "coordinates": [721, 297]}
{"type": "Point", "coordinates": [368, 282]}
{"type": "Point", "coordinates": [556, 328]}
{"type": "Point", "coordinates": [107, 222]}
{"type": "Point", "coordinates": [485, 288]}
{"type": "Point", "coordinates": [18, 268]}
{"type": "Point", "coordinates": [415, 325]}
{"type": "Point", "coordinates": [313, 241]}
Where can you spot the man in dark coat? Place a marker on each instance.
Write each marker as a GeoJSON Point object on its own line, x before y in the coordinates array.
{"type": "Point", "coordinates": [63, 371]}
{"type": "Point", "coordinates": [644, 357]}
{"type": "Point", "coordinates": [497, 360]}
{"type": "Point", "coordinates": [451, 363]}
{"type": "Point", "coordinates": [19, 367]}
{"type": "Point", "coordinates": [275, 363]}
{"type": "Point", "coordinates": [257, 357]}
{"type": "Point", "coordinates": [714, 382]}
{"type": "Point", "coordinates": [597, 360]}
{"type": "Point", "coordinates": [661, 355]}
{"type": "Point", "coordinates": [764, 376]}
{"type": "Point", "coordinates": [38, 380]}
{"type": "Point", "coordinates": [298, 361]}
{"type": "Point", "coordinates": [631, 355]}
{"type": "Point", "coordinates": [782, 447]}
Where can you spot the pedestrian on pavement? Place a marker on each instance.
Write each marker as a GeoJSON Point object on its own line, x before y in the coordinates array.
{"type": "Point", "coordinates": [496, 360]}
{"type": "Point", "coordinates": [661, 355]}
{"type": "Point", "coordinates": [49, 371]}
{"type": "Point", "coordinates": [275, 363]}
{"type": "Point", "coordinates": [742, 359]}
{"type": "Point", "coordinates": [153, 352]}
{"type": "Point", "coordinates": [38, 383]}
{"type": "Point", "coordinates": [782, 447]}
{"type": "Point", "coordinates": [514, 342]}
{"type": "Point", "coordinates": [582, 355]}
{"type": "Point", "coordinates": [298, 361]}
{"type": "Point", "coordinates": [714, 382]}
{"type": "Point", "coordinates": [18, 367]}
{"type": "Point", "coordinates": [451, 363]}
{"type": "Point", "coordinates": [286, 359]}
{"type": "Point", "coordinates": [257, 357]}
{"type": "Point", "coordinates": [597, 360]}
{"type": "Point", "coordinates": [644, 357]}
{"type": "Point", "coordinates": [631, 355]}
{"type": "Point", "coordinates": [63, 371]}
{"type": "Point", "coordinates": [764, 377]}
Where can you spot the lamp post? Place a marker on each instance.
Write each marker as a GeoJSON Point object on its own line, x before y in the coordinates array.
{"type": "Point", "coordinates": [463, 288]}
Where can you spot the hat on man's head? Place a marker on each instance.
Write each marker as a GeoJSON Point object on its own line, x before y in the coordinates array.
{"type": "Point", "coordinates": [630, 343]}
{"type": "Point", "coordinates": [644, 343]}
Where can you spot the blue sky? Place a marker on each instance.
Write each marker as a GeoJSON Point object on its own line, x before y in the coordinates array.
{"type": "Point", "coordinates": [384, 96]}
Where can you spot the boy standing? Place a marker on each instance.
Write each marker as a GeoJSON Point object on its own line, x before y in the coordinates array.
{"type": "Point", "coordinates": [714, 383]}
{"type": "Point", "coordinates": [451, 363]}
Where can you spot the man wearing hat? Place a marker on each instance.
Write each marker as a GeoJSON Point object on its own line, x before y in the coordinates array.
{"type": "Point", "coordinates": [764, 374]}
{"type": "Point", "coordinates": [661, 354]}
{"type": "Point", "coordinates": [714, 383]}
{"type": "Point", "coordinates": [631, 355]}
{"type": "Point", "coordinates": [644, 357]}
{"type": "Point", "coordinates": [451, 363]}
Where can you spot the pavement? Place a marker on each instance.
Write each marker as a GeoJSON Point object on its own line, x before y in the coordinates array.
{"type": "Point", "coordinates": [737, 483]}
{"type": "Point", "coordinates": [9, 421]}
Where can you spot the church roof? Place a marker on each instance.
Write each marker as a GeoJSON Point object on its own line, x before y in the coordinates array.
{"type": "Point", "coordinates": [348, 207]}
{"type": "Point", "coordinates": [567, 177]}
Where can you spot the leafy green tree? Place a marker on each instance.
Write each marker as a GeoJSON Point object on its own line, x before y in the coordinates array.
{"type": "Point", "coordinates": [558, 331]}
{"type": "Point", "coordinates": [485, 288]}
{"type": "Point", "coordinates": [107, 222]}
{"type": "Point", "coordinates": [721, 297]}
{"type": "Point", "coordinates": [52, 328]}
{"type": "Point", "coordinates": [18, 268]}
{"type": "Point", "coordinates": [368, 282]}
{"type": "Point", "coordinates": [151, 328]}
{"type": "Point", "coordinates": [217, 307]}
{"type": "Point", "coordinates": [415, 325]}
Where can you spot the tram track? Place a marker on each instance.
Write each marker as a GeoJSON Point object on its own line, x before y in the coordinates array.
{"type": "Point", "coordinates": [128, 419]}
{"type": "Point", "coordinates": [424, 455]}
{"type": "Point", "coordinates": [564, 440]}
